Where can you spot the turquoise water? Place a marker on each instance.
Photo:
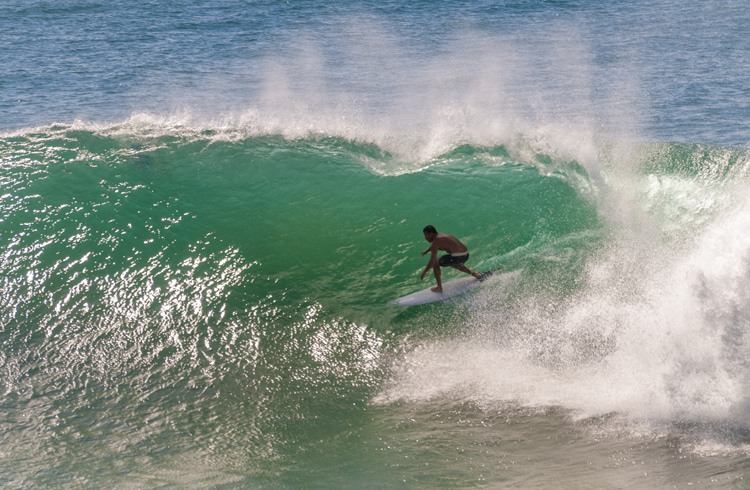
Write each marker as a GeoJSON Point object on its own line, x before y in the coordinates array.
{"type": "Point", "coordinates": [195, 309]}
{"type": "Point", "coordinates": [205, 208]}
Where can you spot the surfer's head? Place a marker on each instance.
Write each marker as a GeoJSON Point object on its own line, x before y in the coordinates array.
{"type": "Point", "coordinates": [429, 233]}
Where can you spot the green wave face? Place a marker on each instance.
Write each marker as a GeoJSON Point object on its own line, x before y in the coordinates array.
{"type": "Point", "coordinates": [182, 279]}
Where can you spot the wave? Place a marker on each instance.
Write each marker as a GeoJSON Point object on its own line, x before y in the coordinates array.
{"type": "Point", "coordinates": [167, 249]}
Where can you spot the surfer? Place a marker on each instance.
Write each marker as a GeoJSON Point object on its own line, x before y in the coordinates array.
{"type": "Point", "coordinates": [457, 255]}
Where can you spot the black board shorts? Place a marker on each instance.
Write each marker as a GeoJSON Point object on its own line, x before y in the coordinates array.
{"type": "Point", "coordinates": [449, 260]}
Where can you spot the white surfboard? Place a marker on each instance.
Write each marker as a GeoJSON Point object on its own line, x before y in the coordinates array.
{"type": "Point", "coordinates": [451, 288]}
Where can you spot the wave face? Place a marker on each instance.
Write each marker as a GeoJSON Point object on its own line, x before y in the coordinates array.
{"type": "Point", "coordinates": [158, 283]}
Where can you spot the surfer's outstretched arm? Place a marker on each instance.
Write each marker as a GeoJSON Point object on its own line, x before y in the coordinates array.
{"type": "Point", "coordinates": [433, 264]}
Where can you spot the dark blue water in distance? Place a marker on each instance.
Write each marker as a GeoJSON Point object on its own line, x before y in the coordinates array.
{"type": "Point", "coordinates": [206, 206]}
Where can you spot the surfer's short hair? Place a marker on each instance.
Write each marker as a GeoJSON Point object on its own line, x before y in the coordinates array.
{"type": "Point", "coordinates": [430, 229]}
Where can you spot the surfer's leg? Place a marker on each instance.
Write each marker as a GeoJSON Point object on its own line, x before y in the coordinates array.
{"type": "Point", "coordinates": [458, 264]}
{"type": "Point", "coordinates": [465, 269]}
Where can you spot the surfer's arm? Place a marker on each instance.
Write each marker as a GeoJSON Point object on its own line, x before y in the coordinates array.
{"type": "Point", "coordinates": [431, 263]}
{"type": "Point", "coordinates": [432, 248]}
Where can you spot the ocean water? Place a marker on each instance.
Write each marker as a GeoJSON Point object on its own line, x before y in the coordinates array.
{"type": "Point", "coordinates": [206, 206]}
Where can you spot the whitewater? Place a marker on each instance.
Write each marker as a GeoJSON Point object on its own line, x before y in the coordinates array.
{"type": "Point", "coordinates": [205, 208]}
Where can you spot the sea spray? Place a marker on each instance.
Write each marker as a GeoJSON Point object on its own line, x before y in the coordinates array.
{"type": "Point", "coordinates": [649, 327]}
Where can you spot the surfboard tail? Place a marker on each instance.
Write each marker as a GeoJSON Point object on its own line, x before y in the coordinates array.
{"type": "Point", "coordinates": [487, 274]}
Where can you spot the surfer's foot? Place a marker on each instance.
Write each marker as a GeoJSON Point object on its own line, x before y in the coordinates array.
{"type": "Point", "coordinates": [476, 274]}
{"type": "Point", "coordinates": [436, 289]}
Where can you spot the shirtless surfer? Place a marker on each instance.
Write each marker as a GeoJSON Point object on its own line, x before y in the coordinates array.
{"type": "Point", "coordinates": [457, 255]}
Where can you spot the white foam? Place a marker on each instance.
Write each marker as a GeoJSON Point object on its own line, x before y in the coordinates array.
{"type": "Point", "coordinates": [659, 333]}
